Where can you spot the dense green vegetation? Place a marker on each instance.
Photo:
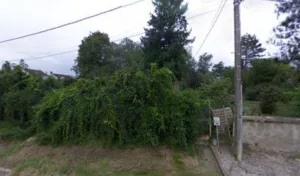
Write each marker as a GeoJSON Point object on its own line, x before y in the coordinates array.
{"type": "Point", "coordinates": [150, 93]}
{"type": "Point", "coordinates": [287, 32]}
{"type": "Point", "coordinates": [127, 108]}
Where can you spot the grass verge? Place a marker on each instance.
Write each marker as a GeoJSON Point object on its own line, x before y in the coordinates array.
{"type": "Point", "coordinates": [282, 109]}
{"type": "Point", "coordinates": [9, 150]}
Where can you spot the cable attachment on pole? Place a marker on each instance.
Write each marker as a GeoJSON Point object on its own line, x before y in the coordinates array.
{"type": "Point", "coordinates": [237, 2]}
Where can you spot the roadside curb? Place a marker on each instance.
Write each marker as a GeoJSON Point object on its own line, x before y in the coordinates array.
{"type": "Point", "coordinates": [218, 160]}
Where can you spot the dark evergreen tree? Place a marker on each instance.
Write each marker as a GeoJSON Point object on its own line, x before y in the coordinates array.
{"type": "Point", "coordinates": [23, 64]}
{"type": "Point", "coordinates": [167, 36]}
{"type": "Point", "coordinates": [204, 63]}
{"type": "Point", "coordinates": [250, 49]}
{"type": "Point", "coordinates": [6, 67]}
{"type": "Point", "coordinates": [218, 69]}
{"type": "Point", "coordinates": [194, 79]}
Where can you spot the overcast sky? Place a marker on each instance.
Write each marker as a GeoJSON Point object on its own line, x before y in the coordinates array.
{"type": "Point", "coordinates": [22, 17]}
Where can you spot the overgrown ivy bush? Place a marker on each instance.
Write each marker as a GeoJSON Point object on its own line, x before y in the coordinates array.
{"type": "Point", "coordinates": [218, 92]}
{"type": "Point", "coordinates": [19, 92]}
{"type": "Point", "coordinates": [128, 108]}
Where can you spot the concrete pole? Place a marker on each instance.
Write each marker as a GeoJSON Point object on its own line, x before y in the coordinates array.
{"type": "Point", "coordinates": [238, 80]}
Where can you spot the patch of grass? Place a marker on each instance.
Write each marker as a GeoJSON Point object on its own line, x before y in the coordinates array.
{"type": "Point", "coordinates": [296, 155]}
{"type": "Point", "coordinates": [192, 150]}
{"type": "Point", "coordinates": [102, 169]}
{"type": "Point", "coordinates": [34, 163]}
{"type": "Point", "coordinates": [137, 173]}
{"type": "Point", "coordinates": [65, 170]}
{"type": "Point", "coordinates": [177, 160]}
{"type": "Point", "coordinates": [47, 166]}
{"type": "Point", "coordinates": [85, 170]}
{"type": "Point", "coordinates": [43, 166]}
{"type": "Point", "coordinates": [104, 164]}
{"type": "Point", "coordinates": [282, 109]}
{"type": "Point", "coordinates": [9, 150]}
{"type": "Point", "coordinates": [251, 107]}
{"type": "Point", "coordinates": [11, 131]}
{"type": "Point", "coordinates": [285, 110]}
{"type": "Point", "coordinates": [94, 169]}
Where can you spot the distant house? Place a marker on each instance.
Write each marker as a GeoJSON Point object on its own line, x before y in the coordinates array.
{"type": "Point", "coordinates": [60, 76]}
{"type": "Point", "coordinates": [35, 72]}
{"type": "Point", "coordinates": [44, 75]}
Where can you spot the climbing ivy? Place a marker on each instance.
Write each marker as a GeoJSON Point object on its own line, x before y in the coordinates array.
{"type": "Point", "coordinates": [124, 109]}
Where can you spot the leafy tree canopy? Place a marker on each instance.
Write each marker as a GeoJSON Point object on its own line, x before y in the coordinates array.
{"type": "Point", "coordinates": [269, 71]}
{"type": "Point", "coordinates": [128, 55]}
{"type": "Point", "coordinates": [94, 56]}
{"type": "Point", "coordinates": [97, 56]}
{"type": "Point", "coordinates": [288, 31]}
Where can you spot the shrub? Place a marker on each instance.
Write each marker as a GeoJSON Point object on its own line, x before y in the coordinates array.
{"type": "Point", "coordinates": [253, 93]}
{"type": "Point", "coordinates": [219, 92]}
{"type": "Point", "coordinates": [270, 95]}
{"type": "Point", "coordinates": [20, 92]}
{"type": "Point", "coordinates": [126, 108]}
{"type": "Point", "coordinates": [296, 101]}
{"type": "Point", "coordinates": [287, 96]}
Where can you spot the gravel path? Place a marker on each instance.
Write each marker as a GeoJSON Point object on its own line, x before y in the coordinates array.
{"type": "Point", "coordinates": [4, 172]}
{"type": "Point", "coordinates": [258, 163]}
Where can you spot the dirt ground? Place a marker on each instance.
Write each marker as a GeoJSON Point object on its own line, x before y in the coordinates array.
{"type": "Point", "coordinates": [30, 159]}
{"type": "Point", "coordinates": [258, 162]}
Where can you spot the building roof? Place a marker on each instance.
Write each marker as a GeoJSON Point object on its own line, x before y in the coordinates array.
{"type": "Point", "coordinates": [35, 72]}
{"type": "Point", "coordinates": [60, 76]}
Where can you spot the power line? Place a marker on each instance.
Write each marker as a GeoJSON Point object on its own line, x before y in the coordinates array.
{"type": "Point", "coordinates": [70, 51]}
{"type": "Point", "coordinates": [205, 13]}
{"type": "Point", "coordinates": [41, 57]}
{"type": "Point", "coordinates": [219, 9]}
{"type": "Point", "coordinates": [70, 23]}
{"type": "Point", "coordinates": [211, 28]}
{"type": "Point", "coordinates": [201, 14]}
{"type": "Point", "coordinates": [134, 35]}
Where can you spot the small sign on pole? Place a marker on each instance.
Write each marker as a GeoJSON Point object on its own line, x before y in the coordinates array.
{"type": "Point", "coordinates": [217, 123]}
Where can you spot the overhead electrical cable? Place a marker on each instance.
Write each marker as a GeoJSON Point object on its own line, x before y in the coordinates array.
{"type": "Point", "coordinates": [211, 28]}
{"type": "Point", "coordinates": [70, 23]}
{"type": "Point", "coordinates": [131, 36]}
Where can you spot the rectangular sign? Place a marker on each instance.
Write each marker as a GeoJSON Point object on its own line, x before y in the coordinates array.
{"type": "Point", "coordinates": [217, 121]}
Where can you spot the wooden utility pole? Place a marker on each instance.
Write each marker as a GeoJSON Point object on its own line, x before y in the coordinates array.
{"type": "Point", "coordinates": [238, 80]}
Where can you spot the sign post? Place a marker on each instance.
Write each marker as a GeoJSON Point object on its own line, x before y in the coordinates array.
{"type": "Point", "coordinates": [217, 124]}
